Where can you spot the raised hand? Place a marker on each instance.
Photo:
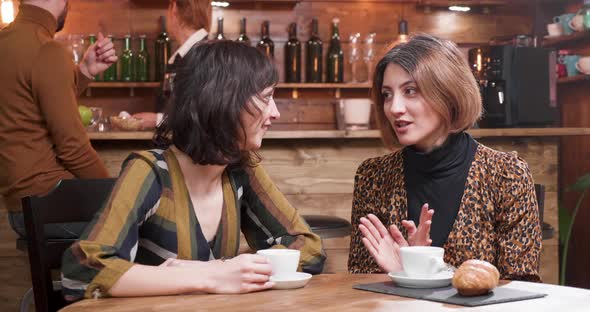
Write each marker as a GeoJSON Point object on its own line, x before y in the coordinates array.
{"type": "Point", "coordinates": [420, 236]}
{"type": "Point", "coordinates": [99, 56]}
{"type": "Point", "coordinates": [381, 244]}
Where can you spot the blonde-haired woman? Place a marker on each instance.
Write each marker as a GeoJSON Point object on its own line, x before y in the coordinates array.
{"type": "Point", "coordinates": [485, 203]}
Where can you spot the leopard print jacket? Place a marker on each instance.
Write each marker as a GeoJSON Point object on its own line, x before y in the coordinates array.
{"type": "Point", "coordinates": [498, 220]}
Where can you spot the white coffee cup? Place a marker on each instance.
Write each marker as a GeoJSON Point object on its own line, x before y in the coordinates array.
{"type": "Point", "coordinates": [583, 65]}
{"type": "Point", "coordinates": [283, 261]}
{"type": "Point", "coordinates": [422, 261]}
{"type": "Point", "coordinates": [357, 113]}
{"type": "Point", "coordinates": [555, 29]}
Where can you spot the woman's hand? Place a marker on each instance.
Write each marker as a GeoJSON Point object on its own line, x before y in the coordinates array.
{"type": "Point", "coordinates": [381, 244]}
{"type": "Point", "coordinates": [420, 236]}
{"type": "Point", "coordinates": [242, 274]}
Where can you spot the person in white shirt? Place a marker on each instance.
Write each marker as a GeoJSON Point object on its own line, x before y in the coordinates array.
{"type": "Point", "coordinates": [188, 21]}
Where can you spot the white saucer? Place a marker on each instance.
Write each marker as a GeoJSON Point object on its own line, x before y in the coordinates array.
{"type": "Point", "coordinates": [441, 279]}
{"type": "Point", "coordinates": [290, 280]}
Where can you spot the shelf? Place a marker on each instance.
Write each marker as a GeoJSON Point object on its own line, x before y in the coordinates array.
{"type": "Point", "coordinates": [365, 85]}
{"type": "Point", "coordinates": [124, 85]}
{"type": "Point", "coordinates": [573, 79]}
{"type": "Point", "coordinates": [566, 39]}
{"type": "Point", "coordinates": [361, 134]}
{"type": "Point", "coordinates": [351, 85]}
{"type": "Point", "coordinates": [528, 132]}
{"type": "Point", "coordinates": [273, 134]}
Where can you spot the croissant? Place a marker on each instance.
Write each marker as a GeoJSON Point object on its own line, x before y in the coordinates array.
{"type": "Point", "coordinates": [476, 277]}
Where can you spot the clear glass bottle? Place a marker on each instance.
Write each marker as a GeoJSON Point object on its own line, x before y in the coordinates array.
{"type": "Point", "coordinates": [354, 58]}
{"type": "Point", "coordinates": [369, 55]}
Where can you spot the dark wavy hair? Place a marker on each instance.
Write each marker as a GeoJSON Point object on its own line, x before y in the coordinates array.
{"type": "Point", "coordinates": [212, 88]}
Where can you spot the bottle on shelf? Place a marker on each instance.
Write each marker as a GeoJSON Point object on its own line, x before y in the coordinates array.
{"type": "Point", "coordinates": [91, 41]}
{"type": "Point", "coordinates": [313, 67]}
{"type": "Point", "coordinates": [142, 63]}
{"type": "Point", "coordinates": [357, 74]}
{"type": "Point", "coordinates": [585, 12]}
{"type": "Point", "coordinates": [266, 44]}
{"type": "Point", "coordinates": [127, 61]}
{"type": "Point", "coordinates": [335, 61]}
{"type": "Point", "coordinates": [220, 35]}
{"type": "Point", "coordinates": [162, 51]}
{"type": "Point", "coordinates": [369, 55]}
{"type": "Point", "coordinates": [293, 56]}
{"type": "Point", "coordinates": [110, 74]}
{"type": "Point", "coordinates": [243, 36]}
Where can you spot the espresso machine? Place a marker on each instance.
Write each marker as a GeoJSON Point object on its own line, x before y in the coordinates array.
{"type": "Point", "coordinates": [517, 85]}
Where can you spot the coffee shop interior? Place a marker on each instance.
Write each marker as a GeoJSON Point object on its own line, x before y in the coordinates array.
{"type": "Point", "coordinates": [530, 57]}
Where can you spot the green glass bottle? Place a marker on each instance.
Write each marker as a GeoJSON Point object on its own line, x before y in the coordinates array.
{"type": "Point", "coordinates": [127, 61]}
{"type": "Point", "coordinates": [293, 56]}
{"type": "Point", "coordinates": [162, 51]}
{"type": "Point", "coordinates": [335, 62]}
{"type": "Point", "coordinates": [313, 67]}
{"type": "Point", "coordinates": [142, 61]}
{"type": "Point", "coordinates": [266, 44]}
{"type": "Point", "coordinates": [111, 73]}
{"type": "Point", "coordinates": [92, 40]}
{"type": "Point", "coordinates": [243, 36]}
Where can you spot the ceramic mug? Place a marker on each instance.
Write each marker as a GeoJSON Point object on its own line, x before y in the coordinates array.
{"type": "Point", "coordinates": [577, 23]}
{"type": "Point", "coordinates": [283, 261]}
{"type": "Point", "coordinates": [422, 261]}
{"type": "Point", "coordinates": [570, 64]}
{"type": "Point", "coordinates": [583, 65]}
{"type": "Point", "coordinates": [565, 19]}
{"type": "Point", "coordinates": [555, 29]}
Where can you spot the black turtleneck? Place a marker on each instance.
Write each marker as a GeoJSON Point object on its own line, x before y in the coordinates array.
{"type": "Point", "coordinates": [438, 178]}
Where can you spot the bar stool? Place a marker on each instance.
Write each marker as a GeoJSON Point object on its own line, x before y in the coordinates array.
{"type": "Point", "coordinates": [328, 226]}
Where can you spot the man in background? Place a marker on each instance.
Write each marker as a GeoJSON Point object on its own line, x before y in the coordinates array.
{"type": "Point", "coordinates": [42, 139]}
{"type": "Point", "coordinates": [188, 22]}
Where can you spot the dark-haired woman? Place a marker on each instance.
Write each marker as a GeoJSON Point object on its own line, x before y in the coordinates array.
{"type": "Point", "coordinates": [172, 223]}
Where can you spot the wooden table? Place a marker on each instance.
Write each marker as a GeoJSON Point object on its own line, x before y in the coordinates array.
{"type": "Point", "coordinates": [333, 292]}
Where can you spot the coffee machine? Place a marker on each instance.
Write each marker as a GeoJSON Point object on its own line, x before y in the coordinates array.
{"type": "Point", "coordinates": [517, 85]}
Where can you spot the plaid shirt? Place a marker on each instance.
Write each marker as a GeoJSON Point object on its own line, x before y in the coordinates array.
{"type": "Point", "coordinates": [150, 218]}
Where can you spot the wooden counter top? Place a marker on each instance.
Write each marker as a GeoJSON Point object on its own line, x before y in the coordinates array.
{"type": "Point", "coordinates": [341, 134]}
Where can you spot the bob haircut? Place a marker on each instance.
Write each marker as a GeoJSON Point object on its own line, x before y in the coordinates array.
{"type": "Point", "coordinates": [443, 78]}
{"type": "Point", "coordinates": [214, 85]}
{"type": "Point", "coordinates": [194, 13]}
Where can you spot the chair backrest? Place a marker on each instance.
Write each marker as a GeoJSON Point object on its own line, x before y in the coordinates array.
{"type": "Point", "coordinates": [73, 200]}
{"type": "Point", "coordinates": [540, 192]}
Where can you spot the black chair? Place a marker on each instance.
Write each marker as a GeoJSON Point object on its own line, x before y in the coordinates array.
{"type": "Point", "coordinates": [546, 228]}
{"type": "Point", "coordinates": [328, 226]}
{"type": "Point", "coordinates": [72, 201]}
